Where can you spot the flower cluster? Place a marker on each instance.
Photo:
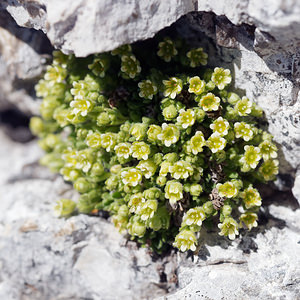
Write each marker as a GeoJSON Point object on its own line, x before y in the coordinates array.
{"type": "Point", "coordinates": [150, 135]}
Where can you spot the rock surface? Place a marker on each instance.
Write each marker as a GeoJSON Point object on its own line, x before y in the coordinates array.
{"type": "Point", "coordinates": [43, 257]}
{"type": "Point", "coordinates": [23, 53]}
{"type": "Point", "coordinates": [89, 26]}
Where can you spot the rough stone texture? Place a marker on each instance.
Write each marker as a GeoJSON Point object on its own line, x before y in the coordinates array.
{"type": "Point", "coordinates": [269, 271]}
{"type": "Point", "coordinates": [43, 257]}
{"type": "Point", "coordinates": [23, 53]}
{"type": "Point", "coordinates": [90, 26]}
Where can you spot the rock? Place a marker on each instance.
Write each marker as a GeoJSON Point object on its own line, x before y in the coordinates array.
{"type": "Point", "coordinates": [86, 27]}
{"type": "Point", "coordinates": [263, 264]}
{"type": "Point", "coordinates": [23, 54]}
{"type": "Point", "coordinates": [43, 257]}
{"type": "Point", "coordinates": [296, 188]}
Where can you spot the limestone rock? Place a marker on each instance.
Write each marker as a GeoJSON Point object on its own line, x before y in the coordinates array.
{"type": "Point", "coordinates": [269, 271]}
{"type": "Point", "coordinates": [91, 26]}
{"type": "Point", "coordinates": [43, 257]}
{"type": "Point", "coordinates": [23, 54]}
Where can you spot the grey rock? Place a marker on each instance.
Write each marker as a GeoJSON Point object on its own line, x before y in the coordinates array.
{"type": "Point", "coordinates": [43, 257]}
{"type": "Point", "coordinates": [85, 27]}
{"type": "Point", "coordinates": [263, 264]}
{"type": "Point", "coordinates": [296, 187]}
{"type": "Point", "coordinates": [23, 54]}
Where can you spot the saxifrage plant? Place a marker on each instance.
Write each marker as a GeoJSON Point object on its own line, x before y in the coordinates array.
{"type": "Point", "coordinates": [151, 135]}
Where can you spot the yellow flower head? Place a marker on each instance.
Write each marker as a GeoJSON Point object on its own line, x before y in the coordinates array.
{"type": "Point", "coordinates": [169, 135]}
{"type": "Point", "coordinates": [210, 102]}
{"type": "Point", "coordinates": [186, 118]}
{"type": "Point", "coordinates": [132, 177]}
{"type": "Point", "coordinates": [251, 197]}
{"type": "Point", "coordinates": [221, 77]}
{"type": "Point", "coordinates": [185, 240]}
{"type": "Point", "coordinates": [197, 86]}
{"type": "Point", "coordinates": [229, 227]}
{"type": "Point", "coordinates": [173, 191]}
{"type": "Point", "coordinates": [173, 86]}
{"type": "Point", "coordinates": [220, 126]}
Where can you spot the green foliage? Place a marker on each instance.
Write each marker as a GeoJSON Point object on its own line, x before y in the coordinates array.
{"type": "Point", "coordinates": [152, 136]}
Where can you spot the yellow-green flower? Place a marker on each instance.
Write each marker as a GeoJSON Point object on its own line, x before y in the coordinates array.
{"type": "Point", "coordinates": [173, 86]}
{"type": "Point", "coordinates": [170, 112]}
{"type": "Point", "coordinates": [55, 74]}
{"type": "Point", "coordinates": [268, 150]}
{"type": "Point", "coordinates": [243, 107]}
{"type": "Point", "coordinates": [81, 106]}
{"type": "Point", "coordinates": [216, 142]}
{"type": "Point", "coordinates": [148, 168]}
{"type": "Point", "coordinates": [69, 174]}
{"type": "Point", "coordinates": [136, 202]}
{"type": "Point", "coordinates": [108, 141]}
{"type": "Point", "coordinates": [243, 130]}
{"type": "Point", "coordinates": [169, 134]}
{"type": "Point", "coordinates": [251, 156]}
{"type": "Point", "coordinates": [120, 220]}
{"type": "Point", "coordinates": [186, 118]}
{"type": "Point", "coordinates": [153, 193]}
{"type": "Point", "coordinates": [153, 132]}
{"type": "Point", "coordinates": [138, 130]}
{"type": "Point", "coordinates": [165, 168]}
{"type": "Point", "coordinates": [181, 170]}
{"type": "Point", "coordinates": [93, 140]}
{"type": "Point", "coordinates": [221, 77]}
{"type": "Point", "coordinates": [194, 216]}
{"type": "Point", "coordinates": [42, 88]}
{"type": "Point", "coordinates": [123, 150]}
{"type": "Point", "coordinates": [251, 197]}
{"type": "Point", "coordinates": [64, 207]}
{"type": "Point", "coordinates": [147, 89]}
{"type": "Point", "coordinates": [132, 177]}
{"type": "Point", "coordinates": [80, 89]}
{"type": "Point", "coordinates": [173, 191]}
{"type": "Point", "coordinates": [167, 50]}
{"type": "Point", "coordinates": [210, 102]}
{"type": "Point", "coordinates": [197, 57]}
{"type": "Point", "coordinates": [197, 86]}
{"type": "Point", "coordinates": [197, 142]}
{"type": "Point", "coordinates": [229, 227]}
{"type": "Point", "coordinates": [249, 219]}
{"type": "Point", "coordinates": [227, 189]}
{"type": "Point", "coordinates": [140, 150]}
{"type": "Point", "coordinates": [220, 126]}
{"type": "Point", "coordinates": [130, 65]}
{"type": "Point", "coordinates": [185, 240]}
{"type": "Point", "coordinates": [269, 169]}
{"type": "Point", "coordinates": [148, 209]}
{"type": "Point", "coordinates": [84, 159]}
{"type": "Point", "coordinates": [136, 227]}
